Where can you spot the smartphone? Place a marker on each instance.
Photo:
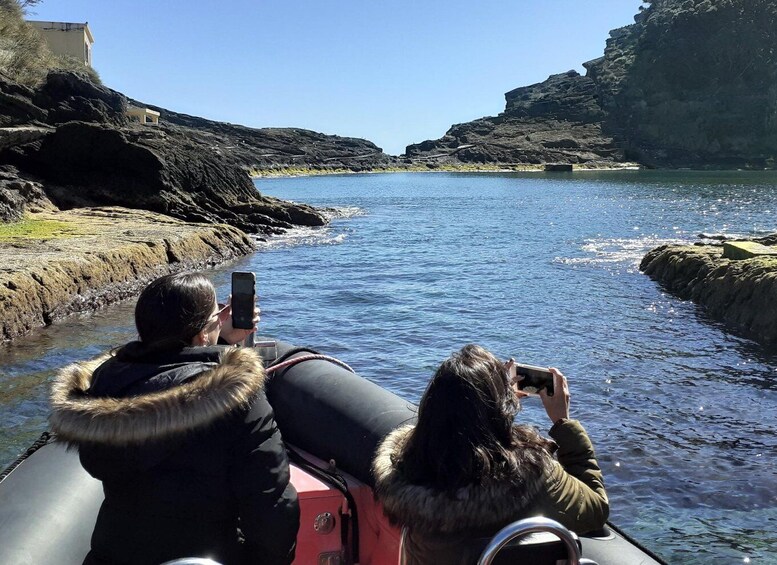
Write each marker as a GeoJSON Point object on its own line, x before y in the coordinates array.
{"type": "Point", "coordinates": [243, 300]}
{"type": "Point", "coordinates": [534, 379]}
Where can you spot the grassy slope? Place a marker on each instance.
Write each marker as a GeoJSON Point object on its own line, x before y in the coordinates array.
{"type": "Point", "coordinates": [24, 55]}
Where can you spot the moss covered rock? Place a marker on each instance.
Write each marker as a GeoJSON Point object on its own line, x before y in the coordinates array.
{"type": "Point", "coordinates": [740, 293]}
{"type": "Point", "coordinates": [96, 257]}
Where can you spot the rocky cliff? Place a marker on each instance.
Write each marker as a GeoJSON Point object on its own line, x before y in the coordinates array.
{"type": "Point", "coordinates": [263, 149]}
{"type": "Point", "coordinates": [692, 83]}
{"type": "Point", "coordinates": [71, 139]}
{"type": "Point", "coordinates": [558, 120]}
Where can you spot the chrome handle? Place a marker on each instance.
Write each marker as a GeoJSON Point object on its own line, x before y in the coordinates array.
{"type": "Point", "coordinates": [530, 526]}
{"type": "Point", "coordinates": [191, 561]}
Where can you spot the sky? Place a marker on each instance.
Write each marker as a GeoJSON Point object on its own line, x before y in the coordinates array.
{"type": "Point", "coordinates": [395, 72]}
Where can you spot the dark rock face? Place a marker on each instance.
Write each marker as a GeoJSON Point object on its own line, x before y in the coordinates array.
{"type": "Point", "coordinates": [63, 97]}
{"type": "Point", "coordinates": [693, 83]}
{"type": "Point", "coordinates": [92, 165]}
{"type": "Point", "coordinates": [74, 137]}
{"type": "Point", "coordinates": [16, 106]}
{"type": "Point", "coordinates": [72, 97]}
{"type": "Point", "coordinates": [558, 120]}
{"type": "Point", "coordinates": [18, 194]}
{"type": "Point", "coordinates": [268, 148]}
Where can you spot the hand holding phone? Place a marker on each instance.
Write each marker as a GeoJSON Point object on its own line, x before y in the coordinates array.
{"type": "Point", "coordinates": [532, 379]}
{"type": "Point", "coordinates": [557, 406]}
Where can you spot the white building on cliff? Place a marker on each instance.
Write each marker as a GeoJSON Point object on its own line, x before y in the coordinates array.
{"type": "Point", "coordinates": [65, 38]}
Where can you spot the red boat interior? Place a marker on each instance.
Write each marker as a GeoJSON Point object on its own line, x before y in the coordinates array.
{"type": "Point", "coordinates": [326, 522]}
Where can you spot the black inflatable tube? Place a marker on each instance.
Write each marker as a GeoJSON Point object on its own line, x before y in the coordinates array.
{"type": "Point", "coordinates": [48, 508]}
{"type": "Point", "coordinates": [332, 413]}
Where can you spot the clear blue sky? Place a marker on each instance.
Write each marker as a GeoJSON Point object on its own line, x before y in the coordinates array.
{"type": "Point", "coordinates": [393, 72]}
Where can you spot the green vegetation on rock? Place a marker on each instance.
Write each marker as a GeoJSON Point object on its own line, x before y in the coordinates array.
{"type": "Point", "coordinates": [30, 228]}
{"type": "Point", "coordinates": [739, 293]}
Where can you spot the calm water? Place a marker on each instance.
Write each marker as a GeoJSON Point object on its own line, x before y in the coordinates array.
{"type": "Point", "coordinates": [542, 268]}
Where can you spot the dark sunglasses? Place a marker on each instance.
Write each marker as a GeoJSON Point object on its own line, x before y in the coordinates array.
{"type": "Point", "coordinates": [222, 313]}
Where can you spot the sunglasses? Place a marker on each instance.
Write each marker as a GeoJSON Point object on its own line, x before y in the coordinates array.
{"type": "Point", "coordinates": [222, 313]}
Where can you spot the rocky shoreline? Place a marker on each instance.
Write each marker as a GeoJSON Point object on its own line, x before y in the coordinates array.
{"type": "Point", "coordinates": [689, 84]}
{"type": "Point", "coordinates": [437, 167]}
{"type": "Point", "coordinates": [96, 256]}
{"type": "Point", "coordinates": [738, 292]}
{"type": "Point", "coordinates": [93, 206]}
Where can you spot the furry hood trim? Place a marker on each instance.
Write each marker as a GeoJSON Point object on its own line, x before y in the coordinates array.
{"type": "Point", "coordinates": [428, 510]}
{"type": "Point", "coordinates": [78, 417]}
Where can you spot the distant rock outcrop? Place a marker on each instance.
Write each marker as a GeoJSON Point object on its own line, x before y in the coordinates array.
{"type": "Point", "coordinates": [740, 293]}
{"type": "Point", "coordinates": [693, 83]}
{"type": "Point", "coordinates": [558, 120]}
{"type": "Point", "coordinates": [274, 148]}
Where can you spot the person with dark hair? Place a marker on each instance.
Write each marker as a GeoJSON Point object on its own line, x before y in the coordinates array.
{"type": "Point", "coordinates": [180, 433]}
{"type": "Point", "coordinates": [465, 469]}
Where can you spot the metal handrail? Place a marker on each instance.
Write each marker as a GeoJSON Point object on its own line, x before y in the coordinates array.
{"type": "Point", "coordinates": [191, 561]}
{"type": "Point", "coordinates": [402, 543]}
{"type": "Point", "coordinates": [531, 526]}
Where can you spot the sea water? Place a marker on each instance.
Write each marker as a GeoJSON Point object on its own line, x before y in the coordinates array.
{"type": "Point", "coordinates": [540, 267]}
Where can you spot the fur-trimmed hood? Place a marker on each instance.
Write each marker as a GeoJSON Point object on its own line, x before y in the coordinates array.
{"type": "Point", "coordinates": [428, 510]}
{"type": "Point", "coordinates": [218, 388]}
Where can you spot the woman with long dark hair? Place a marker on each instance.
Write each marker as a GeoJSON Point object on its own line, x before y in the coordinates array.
{"type": "Point", "coordinates": [465, 469]}
{"type": "Point", "coordinates": [180, 433]}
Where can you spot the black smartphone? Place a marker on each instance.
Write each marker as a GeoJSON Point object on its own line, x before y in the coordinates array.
{"type": "Point", "coordinates": [243, 300]}
{"type": "Point", "coordinates": [534, 379]}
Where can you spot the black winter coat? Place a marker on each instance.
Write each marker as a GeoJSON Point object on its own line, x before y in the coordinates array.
{"type": "Point", "coordinates": [191, 460]}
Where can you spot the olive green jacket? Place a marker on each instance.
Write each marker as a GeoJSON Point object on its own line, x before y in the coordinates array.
{"type": "Point", "coordinates": [454, 528]}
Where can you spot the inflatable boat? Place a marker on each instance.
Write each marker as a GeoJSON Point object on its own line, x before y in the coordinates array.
{"type": "Point", "coordinates": [332, 421]}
